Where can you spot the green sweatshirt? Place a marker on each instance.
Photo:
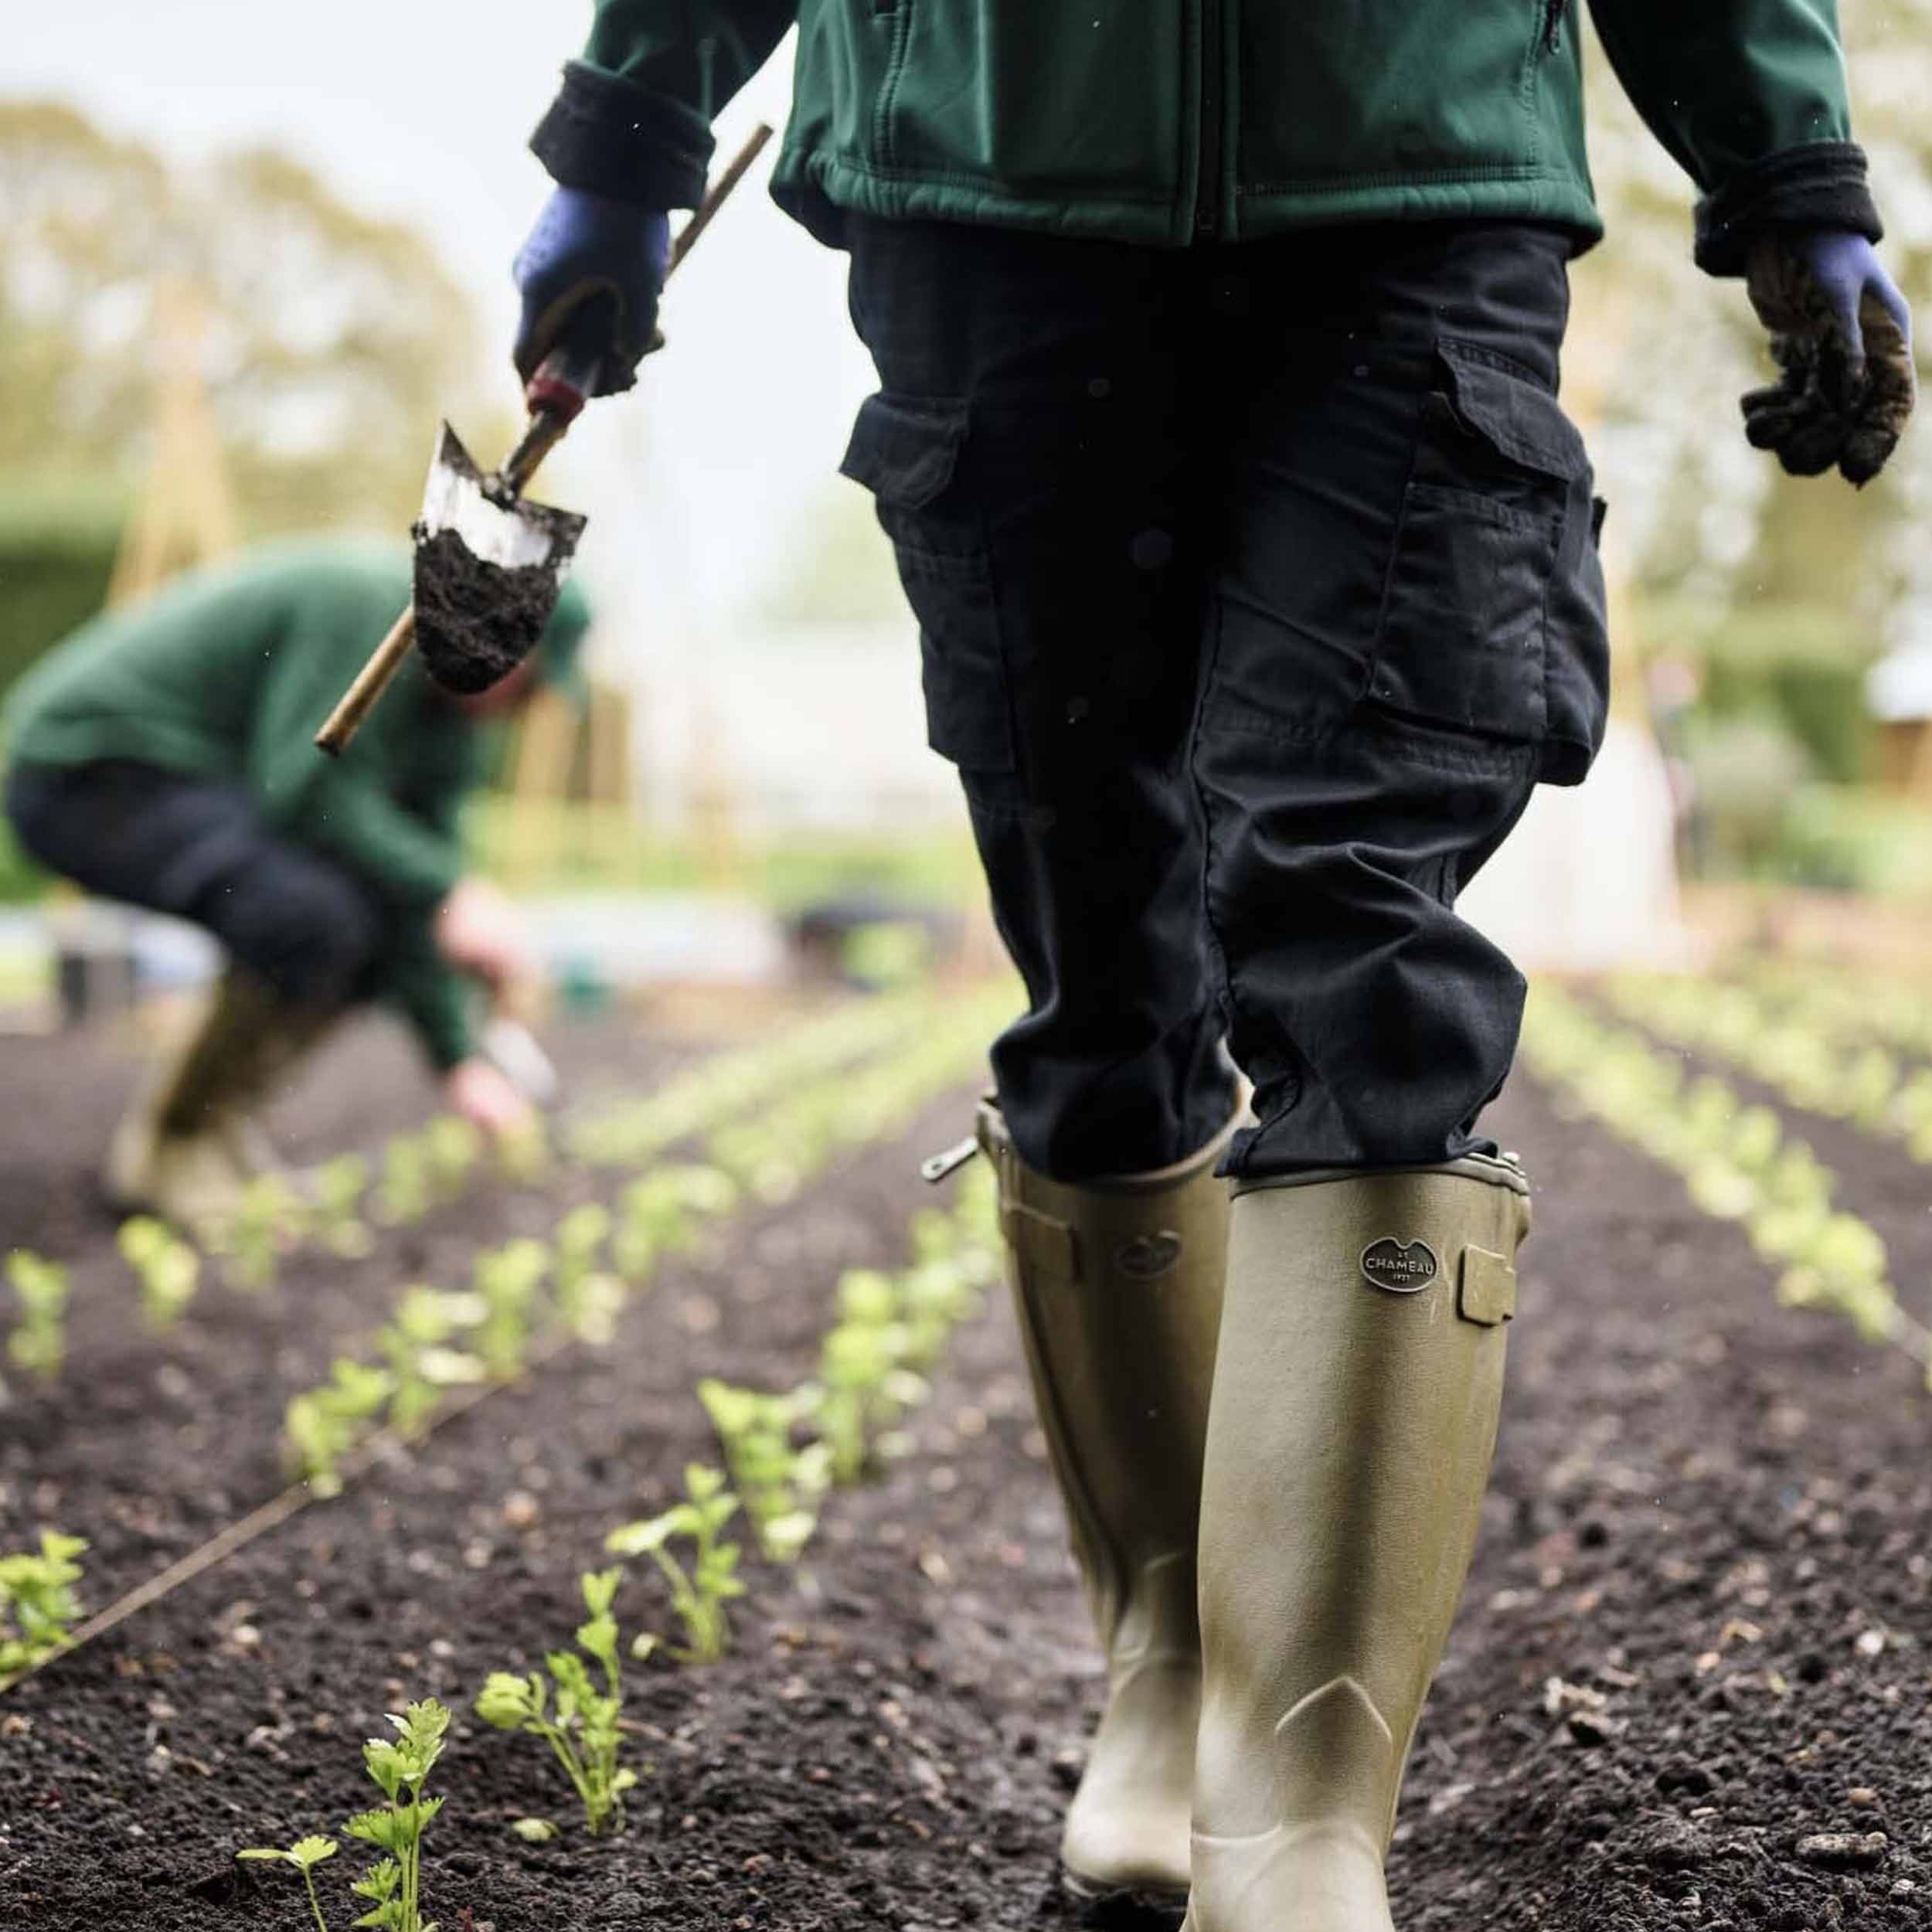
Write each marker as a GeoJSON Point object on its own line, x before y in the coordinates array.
{"type": "Point", "coordinates": [1167, 122]}
{"type": "Point", "coordinates": [228, 673]}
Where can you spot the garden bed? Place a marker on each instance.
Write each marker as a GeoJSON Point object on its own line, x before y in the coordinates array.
{"type": "Point", "coordinates": [1689, 1687]}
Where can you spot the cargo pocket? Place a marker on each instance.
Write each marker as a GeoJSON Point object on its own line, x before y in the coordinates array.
{"type": "Point", "coordinates": [1498, 474]}
{"type": "Point", "coordinates": [906, 449]}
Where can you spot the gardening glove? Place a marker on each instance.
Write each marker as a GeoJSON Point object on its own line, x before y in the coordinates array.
{"type": "Point", "coordinates": [1841, 336]}
{"type": "Point", "coordinates": [585, 246]}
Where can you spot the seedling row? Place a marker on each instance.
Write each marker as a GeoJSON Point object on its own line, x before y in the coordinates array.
{"type": "Point", "coordinates": [1736, 1161]}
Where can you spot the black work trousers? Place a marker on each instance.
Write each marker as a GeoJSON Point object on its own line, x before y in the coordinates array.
{"type": "Point", "coordinates": [1258, 586]}
{"type": "Point", "coordinates": [199, 850]}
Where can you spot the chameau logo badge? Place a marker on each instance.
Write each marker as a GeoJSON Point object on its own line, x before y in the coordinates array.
{"type": "Point", "coordinates": [1401, 1269]}
{"type": "Point", "coordinates": [1148, 1256]}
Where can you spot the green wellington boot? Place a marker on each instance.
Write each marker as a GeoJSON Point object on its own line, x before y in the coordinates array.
{"type": "Point", "coordinates": [1117, 1284]}
{"type": "Point", "coordinates": [188, 1145]}
{"type": "Point", "coordinates": [1355, 1398]}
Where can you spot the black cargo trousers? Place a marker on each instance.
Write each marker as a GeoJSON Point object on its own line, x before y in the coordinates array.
{"type": "Point", "coordinates": [1258, 586]}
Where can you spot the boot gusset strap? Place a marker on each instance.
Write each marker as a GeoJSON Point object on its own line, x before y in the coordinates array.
{"type": "Point", "coordinates": [1487, 1292]}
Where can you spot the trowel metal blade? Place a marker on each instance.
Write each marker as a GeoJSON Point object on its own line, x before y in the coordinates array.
{"type": "Point", "coordinates": [488, 573]}
{"type": "Point", "coordinates": [519, 533]}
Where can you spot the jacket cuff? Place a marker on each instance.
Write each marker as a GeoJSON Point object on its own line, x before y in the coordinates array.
{"type": "Point", "coordinates": [1820, 185]}
{"type": "Point", "coordinates": [609, 137]}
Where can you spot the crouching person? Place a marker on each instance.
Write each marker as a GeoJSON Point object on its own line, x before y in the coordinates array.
{"type": "Point", "coordinates": [163, 755]}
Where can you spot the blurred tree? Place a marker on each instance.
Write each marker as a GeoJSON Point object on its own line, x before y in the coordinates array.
{"type": "Point", "coordinates": [838, 566]}
{"type": "Point", "coordinates": [335, 341]}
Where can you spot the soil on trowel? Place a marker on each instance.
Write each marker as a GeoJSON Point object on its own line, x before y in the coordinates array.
{"type": "Point", "coordinates": [476, 621]}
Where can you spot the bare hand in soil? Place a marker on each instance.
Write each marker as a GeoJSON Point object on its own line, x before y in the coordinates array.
{"type": "Point", "coordinates": [479, 931]}
{"type": "Point", "coordinates": [481, 1094]}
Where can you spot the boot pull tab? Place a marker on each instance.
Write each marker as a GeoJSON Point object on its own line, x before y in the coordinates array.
{"type": "Point", "coordinates": [936, 1167]}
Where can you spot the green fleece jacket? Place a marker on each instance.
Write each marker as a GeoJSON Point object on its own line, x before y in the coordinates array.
{"type": "Point", "coordinates": [228, 673]}
{"type": "Point", "coordinates": [1168, 121]}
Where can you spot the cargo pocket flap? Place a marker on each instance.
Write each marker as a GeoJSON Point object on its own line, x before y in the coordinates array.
{"type": "Point", "coordinates": [1512, 412]}
{"type": "Point", "coordinates": [905, 451]}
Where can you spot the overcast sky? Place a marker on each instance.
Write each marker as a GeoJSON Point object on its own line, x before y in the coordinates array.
{"type": "Point", "coordinates": [421, 109]}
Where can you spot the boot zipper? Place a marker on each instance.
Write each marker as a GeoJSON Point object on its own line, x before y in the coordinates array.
{"type": "Point", "coordinates": [936, 1167]}
{"type": "Point", "coordinates": [1554, 12]}
{"type": "Point", "coordinates": [1207, 196]}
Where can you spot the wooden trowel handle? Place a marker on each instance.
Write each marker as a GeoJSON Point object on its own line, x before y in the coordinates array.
{"type": "Point", "coordinates": [553, 409]}
{"type": "Point", "coordinates": [371, 682]}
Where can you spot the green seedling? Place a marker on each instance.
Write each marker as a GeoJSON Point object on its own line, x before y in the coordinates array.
{"type": "Point", "coordinates": [322, 1426]}
{"type": "Point", "coordinates": [864, 1386]}
{"type": "Point", "coordinates": [403, 1194]}
{"type": "Point", "coordinates": [38, 1606]}
{"type": "Point", "coordinates": [588, 1296]}
{"type": "Point", "coordinates": [1843, 1266]}
{"type": "Point", "coordinates": [400, 1766]}
{"type": "Point", "coordinates": [523, 1156]}
{"type": "Point", "coordinates": [414, 1342]}
{"type": "Point", "coordinates": [451, 1147]}
{"type": "Point", "coordinates": [506, 1280]}
{"type": "Point", "coordinates": [339, 1186]}
{"type": "Point", "coordinates": [265, 1225]}
{"type": "Point", "coordinates": [305, 1854]}
{"type": "Point", "coordinates": [780, 1485]}
{"type": "Point", "coordinates": [582, 1731]}
{"type": "Point", "coordinates": [935, 1297]}
{"type": "Point", "coordinates": [167, 1269]}
{"type": "Point", "coordinates": [701, 1586]}
{"type": "Point", "coordinates": [767, 1164]}
{"type": "Point", "coordinates": [660, 1213]}
{"type": "Point", "coordinates": [38, 1345]}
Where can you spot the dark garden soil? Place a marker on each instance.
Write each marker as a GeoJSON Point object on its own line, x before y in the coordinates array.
{"type": "Point", "coordinates": [1689, 1687]}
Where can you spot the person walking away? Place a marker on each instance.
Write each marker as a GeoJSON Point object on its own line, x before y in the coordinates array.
{"type": "Point", "coordinates": [1255, 564]}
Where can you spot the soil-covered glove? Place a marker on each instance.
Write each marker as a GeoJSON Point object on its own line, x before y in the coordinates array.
{"type": "Point", "coordinates": [589, 249]}
{"type": "Point", "coordinates": [1841, 336]}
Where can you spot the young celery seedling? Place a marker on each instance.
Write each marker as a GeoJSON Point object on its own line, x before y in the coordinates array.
{"type": "Point", "coordinates": [588, 1297]}
{"type": "Point", "coordinates": [266, 1223]}
{"type": "Point", "coordinates": [403, 1194]}
{"type": "Point", "coordinates": [414, 1342]}
{"type": "Point", "coordinates": [507, 1280]}
{"type": "Point", "coordinates": [305, 1854]}
{"type": "Point", "coordinates": [700, 1589]}
{"type": "Point", "coordinates": [339, 1186]}
{"type": "Point", "coordinates": [864, 1386]}
{"type": "Point", "coordinates": [523, 1157]}
{"type": "Point", "coordinates": [39, 1345]}
{"type": "Point", "coordinates": [38, 1606]}
{"type": "Point", "coordinates": [323, 1425]}
{"type": "Point", "coordinates": [167, 1269]}
{"type": "Point", "coordinates": [393, 1884]}
{"type": "Point", "coordinates": [660, 1212]}
{"type": "Point", "coordinates": [780, 1485]}
{"type": "Point", "coordinates": [583, 1734]}
{"type": "Point", "coordinates": [451, 1149]}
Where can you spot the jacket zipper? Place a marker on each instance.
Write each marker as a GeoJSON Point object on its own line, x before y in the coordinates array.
{"type": "Point", "coordinates": [1554, 12]}
{"type": "Point", "coordinates": [1207, 194]}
